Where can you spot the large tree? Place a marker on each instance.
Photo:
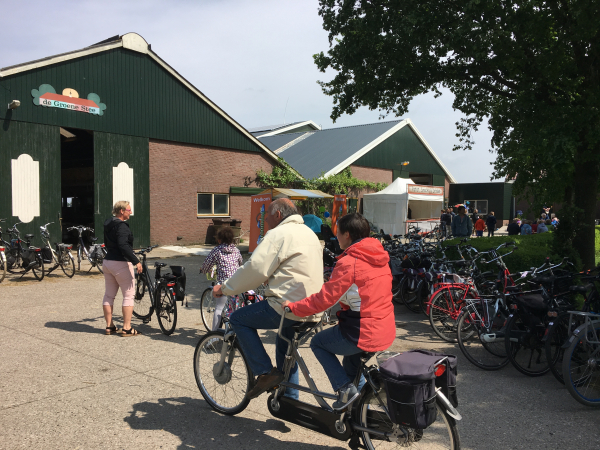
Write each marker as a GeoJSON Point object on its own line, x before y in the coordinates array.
{"type": "Point", "coordinates": [530, 68]}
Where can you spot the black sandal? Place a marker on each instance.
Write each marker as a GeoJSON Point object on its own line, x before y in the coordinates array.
{"type": "Point", "coordinates": [112, 330]}
{"type": "Point", "coordinates": [131, 332]}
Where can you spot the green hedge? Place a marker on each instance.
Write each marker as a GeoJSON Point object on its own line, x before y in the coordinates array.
{"type": "Point", "coordinates": [531, 252]}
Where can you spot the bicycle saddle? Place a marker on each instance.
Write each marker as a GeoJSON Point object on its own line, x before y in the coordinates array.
{"type": "Point", "coordinates": [581, 289]}
{"type": "Point", "coordinates": [29, 236]}
{"type": "Point", "coordinates": [303, 326]}
{"type": "Point", "coordinates": [159, 264]}
{"type": "Point", "coordinates": [94, 239]}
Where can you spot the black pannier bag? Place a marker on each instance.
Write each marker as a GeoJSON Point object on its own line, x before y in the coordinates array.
{"type": "Point", "coordinates": [396, 267]}
{"type": "Point", "coordinates": [409, 380]}
{"type": "Point", "coordinates": [47, 254]}
{"type": "Point", "coordinates": [179, 272]}
{"type": "Point", "coordinates": [447, 380]}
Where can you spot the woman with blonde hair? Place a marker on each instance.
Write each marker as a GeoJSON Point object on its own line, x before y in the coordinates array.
{"type": "Point", "coordinates": [118, 268]}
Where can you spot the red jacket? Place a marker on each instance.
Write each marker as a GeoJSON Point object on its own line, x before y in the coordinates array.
{"type": "Point", "coordinates": [362, 282]}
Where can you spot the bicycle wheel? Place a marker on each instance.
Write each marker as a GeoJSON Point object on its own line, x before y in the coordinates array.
{"type": "Point", "coordinates": [425, 293]}
{"type": "Point", "coordinates": [39, 271]}
{"type": "Point", "coordinates": [580, 366]}
{"type": "Point", "coordinates": [444, 310]}
{"type": "Point", "coordinates": [207, 308]}
{"type": "Point", "coordinates": [142, 304]}
{"type": "Point", "coordinates": [396, 282]}
{"type": "Point", "coordinates": [525, 347]}
{"type": "Point", "coordinates": [67, 263]}
{"type": "Point", "coordinates": [224, 392]}
{"type": "Point", "coordinates": [14, 256]}
{"type": "Point", "coordinates": [2, 269]}
{"type": "Point", "coordinates": [484, 348]}
{"type": "Point", "coordinates": [410, 294]}
{"type": "Point", "coordinates": [441, 434]}
{"type": "Point", "coordinates": [557, 336]}
{"type": "Point", "coordinates": [166, 310]}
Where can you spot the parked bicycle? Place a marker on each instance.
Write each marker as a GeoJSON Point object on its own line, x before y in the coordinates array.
{"type": "Point", "coordinates": [160, 296]}
{"type": "Point", "coordinates": [2, 254]}
{"type": "Point", "coordinates": [22, 257]}
{"type": "Point", "coordinates": [59, 257]}
{"type": "Point", "coordinates": [581, 367]}
{"type": "Point", "coordinates": [95, 253]}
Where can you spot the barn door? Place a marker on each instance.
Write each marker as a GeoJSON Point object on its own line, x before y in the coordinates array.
{"type": "Point", "coordinates": [121, 165]}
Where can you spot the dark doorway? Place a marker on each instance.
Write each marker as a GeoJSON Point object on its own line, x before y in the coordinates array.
{"type": "Point", "coordinates": [77, 180]}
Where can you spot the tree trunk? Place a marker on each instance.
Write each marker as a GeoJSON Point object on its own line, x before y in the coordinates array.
{"type": "Point", "coordinates": [585, 185]}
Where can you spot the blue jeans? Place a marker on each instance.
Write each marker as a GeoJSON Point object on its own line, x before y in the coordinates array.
{"type": "Point", "coordinates": [329, 343]}
{"type": "Point", "coordinates": [260, 316]}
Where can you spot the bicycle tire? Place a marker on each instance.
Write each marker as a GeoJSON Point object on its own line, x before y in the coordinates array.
{"type": "Point", "coordinates": [396, 298]}
{"type": "Point", "coordinates": [238, 377]}
{"type": "Point", "coordinates": [525, 347]}
{"type": "Point", "coordinates": [469, 336]}
{"type": "Point", "coordinates": [441, 434]}
{"type": "Point", "coordinates": [410, 297]}
{"type": "Point", "coordinates": [444, 312]}
{"type": "Point", "coordinates": [425, 295]}
{"type": "Point", "coordinates": [39, 272]}
{"type": "Point", "coordinates": [207, 308]}
{"type": "Point", "coordinates": [2, 269]}
{"type": "Point", "coordinates": [67, 264]}
{"type": "Point", "coordinates": [166, 310]}
{"type": "Point", "coordinates": [100, 254]}
{"type": "Point", "coordinates": [14, 268]}
{"type": "Point", "coordinates": [558, 335]}
{"type": "Point", "coordinates": [578, 367]}
{"type": "Point", "coordinates": [142, 307]}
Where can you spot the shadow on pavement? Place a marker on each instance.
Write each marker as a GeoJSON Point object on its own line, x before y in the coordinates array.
{"type": "Point", "coordinates": [197, 426]}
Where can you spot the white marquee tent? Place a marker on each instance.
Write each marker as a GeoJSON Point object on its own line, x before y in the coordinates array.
{"type": "Point", "coordinates": [388, 208]}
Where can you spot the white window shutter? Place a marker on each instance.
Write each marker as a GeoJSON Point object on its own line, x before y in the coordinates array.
{"type": "Point", "coordinates": [25, 188]}
{"type": "Point", "coordinates": [123, 184]}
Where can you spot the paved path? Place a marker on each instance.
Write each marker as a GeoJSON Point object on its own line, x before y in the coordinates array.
{"type": "Point", "coordinates": [67, 385]}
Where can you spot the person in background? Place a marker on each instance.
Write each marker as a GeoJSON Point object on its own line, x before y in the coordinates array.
{"type": "Point", "coordinates": [491, 223]}
{"type": "Point", "coordinates": [525, 228]}
{"type": "Point", "coordinates": [534, 226]}
{"type": "Point", "coordinates": [474, 218]}
{"type": "Point", "coordinates": [513, 228]}
{"type": "Point", "coordinates": [462, 225]}
{"type": "Point", "coordinates": [228, 259]}
{"type": "Point", "coordinates": [479, 226]}
{"type": "Point", "coordinates": [449, 222]}
{"type": "Point", "coordinates": [555, 221]}
{"type": "Point", "coordinates": [118, 266]}
{"type": "Point", "coordinates": [541, 227]}
{"type": "Point", "coordinates": [549, 225]}
{"type": "Point", "coordinates": [409, 213]}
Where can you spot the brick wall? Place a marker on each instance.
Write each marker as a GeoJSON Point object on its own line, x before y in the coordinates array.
{"type": "Point", "coordinates": [179, 171]}
{"type": "Point", "coordinates": [373, 175]}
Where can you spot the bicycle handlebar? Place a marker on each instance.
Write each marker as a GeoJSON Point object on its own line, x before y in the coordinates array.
{"type": "Point", "coordinates": [143, 251]}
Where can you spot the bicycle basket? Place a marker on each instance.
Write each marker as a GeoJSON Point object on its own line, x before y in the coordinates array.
{"type": "Point", "coordinates": [180, 282]}
{"type": "Point", "coordinates": [409, 381]}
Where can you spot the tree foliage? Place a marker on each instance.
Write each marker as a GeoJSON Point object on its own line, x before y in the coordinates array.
{"type": "Point", "coordinates": [530, 67]}
{"type": "Point", "coordinates": [284, 176]}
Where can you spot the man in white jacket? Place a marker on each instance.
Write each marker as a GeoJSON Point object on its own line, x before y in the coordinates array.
{"type": "Point", "coordinates": [291, 259]}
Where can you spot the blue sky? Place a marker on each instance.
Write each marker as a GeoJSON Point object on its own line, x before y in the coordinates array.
{"type": "Point", "coordinates": [249, 57]}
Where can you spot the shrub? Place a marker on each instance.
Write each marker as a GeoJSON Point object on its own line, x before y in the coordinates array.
{"type": "Point", "coordinates": [532, 250]}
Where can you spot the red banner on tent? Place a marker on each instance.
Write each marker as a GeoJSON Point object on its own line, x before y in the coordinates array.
{"type": "Point", "coordinates": [258, 209]}
{"type": "Point", "coordinates": [339, 210]}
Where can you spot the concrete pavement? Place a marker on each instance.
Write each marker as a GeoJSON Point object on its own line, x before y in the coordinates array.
{"type": "Point", "coordinates": [67, 385]}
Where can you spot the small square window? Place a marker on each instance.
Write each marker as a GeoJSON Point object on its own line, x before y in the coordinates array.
{"type": "Point", "coordinates": [213, 204]}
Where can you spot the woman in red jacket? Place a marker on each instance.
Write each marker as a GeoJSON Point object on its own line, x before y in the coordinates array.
{"type": "Point", "coordinates": [362, 283]}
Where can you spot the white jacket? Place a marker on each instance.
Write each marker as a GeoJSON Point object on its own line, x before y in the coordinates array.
{"type": "Point", "coordinates": [290, 257]}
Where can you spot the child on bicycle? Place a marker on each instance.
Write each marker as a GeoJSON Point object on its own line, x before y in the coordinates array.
{"type": "Point", "coordinates": [228, 259]}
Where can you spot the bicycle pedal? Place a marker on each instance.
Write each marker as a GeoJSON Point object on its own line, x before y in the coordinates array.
{"type": "Point", "coordinates": [147, 320]}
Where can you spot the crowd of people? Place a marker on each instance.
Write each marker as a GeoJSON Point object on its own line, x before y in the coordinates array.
{"type": "Point", "coordinates": [460, 224]}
